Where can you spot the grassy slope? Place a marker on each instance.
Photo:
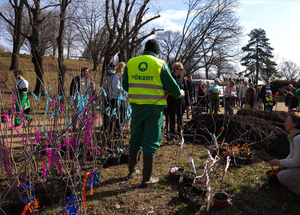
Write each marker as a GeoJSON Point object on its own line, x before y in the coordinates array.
{"type": "Point", "coordinates": [50, 71]}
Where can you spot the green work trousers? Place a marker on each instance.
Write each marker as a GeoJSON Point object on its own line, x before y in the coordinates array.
{"type": "Point", "coordinates": [21, 101]}
{"type": "Point", "coordinates": [145, 128]}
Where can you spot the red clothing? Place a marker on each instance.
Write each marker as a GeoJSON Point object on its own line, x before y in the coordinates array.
{"type": "Point", "coordinates": [251, 94]}
{"type": "Point", "coordinates": [201, 91]}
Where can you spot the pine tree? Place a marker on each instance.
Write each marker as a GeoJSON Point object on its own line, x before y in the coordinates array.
{"type": "Point", "coordinates": [259, 54]}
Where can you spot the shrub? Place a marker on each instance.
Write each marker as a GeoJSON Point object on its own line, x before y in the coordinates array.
{"type": "Point", "coordinates": [280, 85]}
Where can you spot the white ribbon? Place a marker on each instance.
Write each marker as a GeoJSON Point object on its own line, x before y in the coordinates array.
{"type": "Point", "coordinates": [191, 160]}
{"type": "Point", "coordinates": [182, 139]}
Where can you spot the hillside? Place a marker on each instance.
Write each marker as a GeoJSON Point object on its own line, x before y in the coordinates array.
{"type": "Point", "coordinates": [49, 67]}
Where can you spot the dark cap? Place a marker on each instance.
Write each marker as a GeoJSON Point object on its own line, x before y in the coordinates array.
{"type": "Point", "coordinates": [152, 45]}
{"type": "Point", "coordinates": [112, 64]}
{"type": "Point", "coordinates": [18, 72]}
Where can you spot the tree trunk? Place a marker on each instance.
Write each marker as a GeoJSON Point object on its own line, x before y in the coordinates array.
{"type": "Point", "coordinates": [103, 70]}
{"type": "Point", "coordinates": [68, 54]}
{"type": "Point", "coordinates": [17, 38]}
{"type": "Point", "coordinates": [60, 44]}
{"type": "Point", "coordinates": [54, 52]}
{"type": "Point", "coordinates": [257, 63]}
{"type": "Point", "coordinates": [15, 56]}
{"type": "Point", "coordinates": [37, 61]}
{"type": "Point", "coordinates": [61, 79]}
{"type": "Point", "coordinates": [121, 55]}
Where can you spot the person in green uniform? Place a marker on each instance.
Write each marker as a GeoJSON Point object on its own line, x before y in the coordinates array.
{"type": "Point", "coordinates": [21, 89]}
{"type": "Point", "coordinates": [145, 79]}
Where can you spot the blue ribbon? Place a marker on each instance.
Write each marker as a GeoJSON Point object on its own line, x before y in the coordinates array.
{"type": "Point", "coordinates": [28, 200]}
{"type": "Point", "coordinates": [59, 97]}
{"type": "Point", "coordinates": [90, 181]}
{"type": "Point", "coordinates": [72, 208]}
{"type": "Point", "coordinates": [46, 108]}
{"type": "Point", "coordinates": [36, 98]}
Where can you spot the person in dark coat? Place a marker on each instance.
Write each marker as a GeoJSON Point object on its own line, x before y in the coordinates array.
{"type": "Point", "coordinates": [264, 90]}
{"type": "Point", "coordinates": [176, 107]}
{"type": "Point", "coordinates": [291, 101]}
{"type": "Point", "coordinates": [81, 90]}
{"type": "Point", "coordinates": [192, 94]}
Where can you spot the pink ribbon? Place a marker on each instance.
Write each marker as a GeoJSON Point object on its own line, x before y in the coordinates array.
{"type": "Point", "coordinates": [90, 149]}
{"type": "Point", "coordinates": [44, 166]}
{"type": "Point", "coordinates": [38, 135]}
{"type": "Point", "coordinates": [20, 188]}
{"type": "Point", "coordinates": [62, 107]}
{"type": "Point", "coordinates": [4, 160]}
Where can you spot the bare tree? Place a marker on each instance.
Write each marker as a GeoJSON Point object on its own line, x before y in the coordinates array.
{"type": "Point", "coordinates": [70, 38]}
{"type": "Point", "coordinates": [208, 24]}
{"type": "Point", "coordinates": [60, 43]}
{"type": "Point", "coordinates": [4, 48]}
{"type": "Point", "coordinates": [92, 34]}
{"type": "Point", "coordinates": [117, 16]}
{"type": "Point", "coordinates": [168, 41]}
{"type": "Point", "coordinates": [16, 21]}
{"type": "Point", "coordinates": [289, 70]}
{"type": "Point", "coordinates": [36, 18]}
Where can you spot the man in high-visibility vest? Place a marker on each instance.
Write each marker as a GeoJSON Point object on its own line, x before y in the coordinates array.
{"type": "Point", "coordinates": [145, 79]}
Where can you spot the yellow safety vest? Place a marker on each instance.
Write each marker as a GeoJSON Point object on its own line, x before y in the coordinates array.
{"type": "Point", "coordinates": [269, 101]}
{"type": "Point", "coordinates": [144, 81]}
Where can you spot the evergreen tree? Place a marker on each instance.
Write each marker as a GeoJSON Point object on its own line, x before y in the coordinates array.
{"type": "Point", "coordinates": [259, 54]}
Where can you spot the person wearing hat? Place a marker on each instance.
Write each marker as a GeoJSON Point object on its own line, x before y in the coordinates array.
{"type": "Point", "coordinates": [146, 78]}
{"type": "Point", "coordinates": [214, 91]}
{"type": "Point", "coordinates": [21, 89]}
{"type": "Point", "coordinates": [110, 70]}
{"type": "Point", "coordinates": [264, 89]}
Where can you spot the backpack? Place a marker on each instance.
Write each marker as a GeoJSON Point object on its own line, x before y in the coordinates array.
{"type": "Point", "coordinates": [107, 86]}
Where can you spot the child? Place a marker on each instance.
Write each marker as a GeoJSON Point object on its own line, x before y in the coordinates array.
{"type": "Point", "coordinates": [231, 102]}
{"type": "Point", "coordinates": [269, 100]}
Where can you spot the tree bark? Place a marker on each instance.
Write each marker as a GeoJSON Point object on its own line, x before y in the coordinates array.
{"type": "Point", "coordinates": [61, 66]}
{"type": "Point", "coordinates": [17, 37]}
{"type": "Point", "coordinates": [37, 61]}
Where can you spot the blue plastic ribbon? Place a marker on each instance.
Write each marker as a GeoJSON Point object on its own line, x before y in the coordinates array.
{"type": "Point", "coordinates": [36, 98]}
{"type": "Point", "coordinates": [71, 205]}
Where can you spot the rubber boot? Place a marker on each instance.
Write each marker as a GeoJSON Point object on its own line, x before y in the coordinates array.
{"type": "Point", "coordinates": [132, 162]}
{"type": "Point", "coordinates": [147, 171]}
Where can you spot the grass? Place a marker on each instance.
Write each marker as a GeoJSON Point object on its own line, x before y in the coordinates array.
{"type": "Point", "coordinates": [247, 187]}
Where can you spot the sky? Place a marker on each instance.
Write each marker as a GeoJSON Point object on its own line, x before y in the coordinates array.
{"type": "Point", "coordinates": [279, 18]}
